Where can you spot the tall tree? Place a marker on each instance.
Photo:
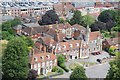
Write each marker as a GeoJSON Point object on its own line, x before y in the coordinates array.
{"type": "Point", "coordinates": [76, 19]}
{"type": "Point", "coordinates": [60, 59]}
{"type": "Point", "coordinates": [7, 28]}
{"type": "Point", "coordinates": [78, 74]}
{"type": "Point", "coordinates": [88, 20]}
{"type": "Point", "coordinates": [15, 60]}
{"type": "Point", "coordinates": [50, 17]}
{"type": "Point", "coordinates": [98, 26]}
{"type": "Point", "coordinates": [107, 15]}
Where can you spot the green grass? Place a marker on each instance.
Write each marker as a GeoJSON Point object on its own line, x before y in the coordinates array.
{"type": "Point", "coordinates": [48, 74]}
{"type": "Point", "coordinates": [73, 65]}
{"type": "Point", "coordinates": [51, 73]}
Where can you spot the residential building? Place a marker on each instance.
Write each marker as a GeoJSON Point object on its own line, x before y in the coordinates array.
{"type": "Point", "coordinates": [25, 9]}
{"type": "Point", "coordinates": [63, 8]}
{"type": "Point", "coordinates": [95, 42]}
{"type": "Point", "coordinates": [70, 49]}
{"type": "Point", "coordinates": [42, 62]}
{"type": "Point", "coordinates": [111, 42]}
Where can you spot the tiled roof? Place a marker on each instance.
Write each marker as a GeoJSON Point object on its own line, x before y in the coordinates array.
{"type": "Point", "coordinates": [79, 27]}
{"type": "Point", "coordinates": [38, 44]}
{"type": "Point", "coordinates": [29, 31]}
{"type": "Point", "coordinates": [113, 41]}
{"type": "Point", "coordinates": [94, 35]}
{"type": "Point", "coordinates": [59, 37]}
{"type": "Point", "coordinates": [44, 55]}
{"type": "Point", "coordinates": [70, 45]}
{"type": "Point", "coordinates": [31, 25]}
{"type": "Point", "coordinates": [58, 7]}
{"type": "Point", "coordinates": [34, 30]}
{"type": "Point", "coordinates": [48, 41]}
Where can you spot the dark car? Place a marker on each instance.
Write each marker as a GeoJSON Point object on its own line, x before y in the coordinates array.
{"type": "Point", "coordinates": [99, 60]}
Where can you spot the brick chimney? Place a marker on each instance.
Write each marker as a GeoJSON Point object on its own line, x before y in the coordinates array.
{"type": "Point", "coordinates": [44, 49]}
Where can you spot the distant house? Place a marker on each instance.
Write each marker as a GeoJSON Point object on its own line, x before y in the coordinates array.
{"type": "Point", "coordinates": [42, 62]}
{"type": "Point", "coordinates": [6, 18]}
{"type": "Point", "coordinates": [34, 32]}
{"type": "Point", "coordinates": [111, 42]}
{"type": "Point", "coordinates": [47, 42]}
{"type": "Point", "coordinates": [79, 32]}
{"type": "Point", "coordinates": [18, 29]}
{"type": "Point", "coordinates": [63, 8]}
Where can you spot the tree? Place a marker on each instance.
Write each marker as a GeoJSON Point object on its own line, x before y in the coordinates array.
{"type": "Point", "coordinates": [88, 20]}
{"type": "Point", "coordinates": [114, 71]}
{"type": "Point", "coordinates": [98, 26]}
{"type": "Point", "coordinates": [107, 15]}
{"type": "Point", "coordinates": [7, 28]}
{"type": "Point", "coordinates": [61, 62]}
{"type": "Point", "coordinates": [78, 74]}
{"type": "Point", "coordinates": [117, 17]}
{"type": "Point", "coordinates": [60, 59]}
{"type": "Point", "coordinates": [32, 74]}
{"type": "Point", "coordinates": [116, 28]}
{"type": "Point", "coordinates": [109, 25]}
{"type": "Point", "coordinates": [29, 42]}
{"type": "Point", "coordinates": [15, 60]}
{"type": "Point", "coordinates": [112, 50]}
{"type": "Point", "coordinates": [62, 20]}
{"type": "Point", "coordinates": [76, 19]}
{"type": "Point", "coordinates": [50, 17]}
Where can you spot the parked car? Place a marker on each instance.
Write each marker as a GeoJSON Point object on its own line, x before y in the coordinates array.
{"type": "Point", "coordinates": [99, 60]}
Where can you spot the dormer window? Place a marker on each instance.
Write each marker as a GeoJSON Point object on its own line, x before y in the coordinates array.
{"type": "Point", "coordinates": [42, 57]}
{"type": "Point", "coordinates": [48, 56]}
{"type": "Point", "coordinates": [35, 58]}
{"type": "Point", "coordinates": [82, 31]}
{"type": "Point", "coordinates": [50, 44]}
{"type": "Point", "coordinates": [71, 45]}
{"type": "Point", "coordinates": [77, 44]}
{"type": "Point", "coordinates": [59, 48]}
{"type": "Point", "coordinates": [64, 46]}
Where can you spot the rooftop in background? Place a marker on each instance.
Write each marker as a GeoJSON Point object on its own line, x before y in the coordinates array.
{"type": "Point", "coordinates": [31, 25]}
{"type": "Point", "coordinates": [6, 18]}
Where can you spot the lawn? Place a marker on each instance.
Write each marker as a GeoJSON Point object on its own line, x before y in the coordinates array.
{"type": "Point", "coordinates": [48, 74]}
{"type": "Point", "coordinates": [75, 64]}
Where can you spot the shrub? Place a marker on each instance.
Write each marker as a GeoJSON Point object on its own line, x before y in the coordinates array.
{"type": "Point", "coordinates": [64, 67]}
{"type": "Point", "coordinates": [57, 69]}
{"type": "Point", "coordinates": [60, 71]}
{"type": "Point", "coordinates": [73, 65]}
